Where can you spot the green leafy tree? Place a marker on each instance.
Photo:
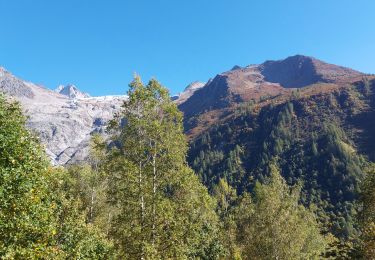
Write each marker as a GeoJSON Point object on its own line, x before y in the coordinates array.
{"type": "Point", "coordinates": [226, 197]}
{"type": "Point", "coordinates": [26, 212]}
{"type": "Point", "coordinates": [164, 212]}
{"type": "Point", "coordinates": [273, 225]}
{"type": "Point", "coordinates": [39, 216]}
{"type": "Point", "coordinates": [88, 182]}
{"type": "Point", "coordinates": [76, 236]}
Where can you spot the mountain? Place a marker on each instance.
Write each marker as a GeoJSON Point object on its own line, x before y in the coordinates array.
{"type": "Point", "coordinates": [188, 91]}
{"type": "Point", "coordinates": [312, 119]}
{"type": "Point", "coordinates": [254, 83]}
{"type": "Point", "coordinates": [300, 71]}
{"type": "Point", "coordinates": [64, 120]}
{"type": "Point", "coordinates": [13, 86]}
{"type": "Point", "coordinates": [66, 117]}
{"type": "Point", "coordinates": [71, 91]}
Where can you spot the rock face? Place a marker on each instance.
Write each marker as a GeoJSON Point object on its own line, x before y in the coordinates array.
{"type": "Point", "coordinates": [64, 121]}
{"type": "Point", "coordinates": [71, 91]}
{"type": "Point", "coordinates": [14, 86]}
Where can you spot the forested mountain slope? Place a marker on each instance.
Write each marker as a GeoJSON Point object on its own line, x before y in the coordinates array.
{"type": "Point", "coordinates": [320, 135]}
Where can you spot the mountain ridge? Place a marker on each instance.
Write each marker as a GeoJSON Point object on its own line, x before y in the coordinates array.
{"type": "Point", "coordinates": [254, 83]}
{"type": "Point", "coordinates": [299, 71]}
{"type": "Point", "coordinates": [65, 119]}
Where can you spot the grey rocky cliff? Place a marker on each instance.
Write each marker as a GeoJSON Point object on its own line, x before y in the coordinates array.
{"type": "Point", "coordinates": [64, 121]}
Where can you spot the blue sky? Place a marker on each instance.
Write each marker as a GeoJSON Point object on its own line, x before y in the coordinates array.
{"type": "Point", "coordinates": [98, 45]}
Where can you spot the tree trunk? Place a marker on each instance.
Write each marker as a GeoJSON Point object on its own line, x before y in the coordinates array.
{"type": "Point", "coordinates": [154, 199]}
{"type": "Point", "coordinates": [142, 208]}
{"type": "Point", "coordinates": [141, 195]}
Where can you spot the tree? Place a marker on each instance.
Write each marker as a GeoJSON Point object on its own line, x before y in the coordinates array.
{"type": "Point", "coordinates": [163, 209]}
{"type": "Point", "coordinates": [367, 215]}
{"type": "Point", "coordinates": [273, 225]}
{"type": "Point", "coordinates": [26, 211]}
{"type": "Point", "coordinates": [76, 237]}
{"type": "Point", "coordinates": [226, 197]}
{"type": "Point", "coordinates": [88, 182]}
{"type": "Point", "coordinates": [39, 217]}
{"type": "Point", "coordinates": [235, 171]}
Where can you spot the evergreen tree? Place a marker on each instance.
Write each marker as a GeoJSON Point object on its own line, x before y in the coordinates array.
{"type": "Point", "coordinates": [367, 215]}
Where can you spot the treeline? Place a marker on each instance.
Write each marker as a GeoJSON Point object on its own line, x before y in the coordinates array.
{"type": "Point", "coordinates": [136, 197]}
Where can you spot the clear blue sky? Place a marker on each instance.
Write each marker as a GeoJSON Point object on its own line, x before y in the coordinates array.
{"type": "Point", "coordinates": [98, 44]}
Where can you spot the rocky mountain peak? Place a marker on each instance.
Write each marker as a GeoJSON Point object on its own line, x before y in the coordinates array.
{"type": "Point", "coordinates": [188, 91]}
{"type": "Point", "coordinates": [254, 83]}
{"type": "Point", "coordinates": [10, 85]}
{"type": "Point", "coordinates": [299, 71]}
{"type": "Point", "coordinates": [236, 67]}
{"type": "Point", "coordinates": [194, 85]}
{"type": "Point", "coordinates": [71, 91]}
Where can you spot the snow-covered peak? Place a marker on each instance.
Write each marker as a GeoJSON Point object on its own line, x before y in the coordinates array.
{"type": "Point", "coordinates": [71, 91]}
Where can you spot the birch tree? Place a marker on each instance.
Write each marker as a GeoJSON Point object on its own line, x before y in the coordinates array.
{"type": "Point", "coordinates": [164, 210]}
